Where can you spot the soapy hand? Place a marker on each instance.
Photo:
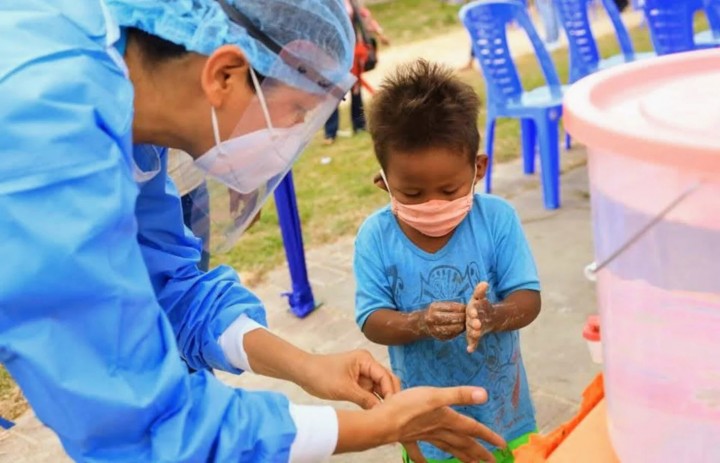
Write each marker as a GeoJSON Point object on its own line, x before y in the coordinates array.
{"type": "Point", "coordinates": [479, 317]}
{"type": "Point", "coordinates": [443, 320]}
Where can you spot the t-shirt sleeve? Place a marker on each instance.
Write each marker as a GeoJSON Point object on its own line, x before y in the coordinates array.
{"type": "Point", "coordinates": [515, 266]}
{"type": "Point", "coordinates": [373, 291]}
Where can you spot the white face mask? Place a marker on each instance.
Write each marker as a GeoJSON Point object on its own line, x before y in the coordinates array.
{"type": "Point", "coordinates": [248, 161]}
{"type": "Point", "coordinates": [250, 165]}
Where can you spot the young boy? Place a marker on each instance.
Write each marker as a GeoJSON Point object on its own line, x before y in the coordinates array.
{"type": "Point", "coordinates": [442, 258]}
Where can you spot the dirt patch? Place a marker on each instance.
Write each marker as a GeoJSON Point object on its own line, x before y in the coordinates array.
{"type": "Point", "coordinates": [12, 402]}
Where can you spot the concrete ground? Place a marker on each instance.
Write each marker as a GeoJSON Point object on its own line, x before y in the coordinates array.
{"type": "Point", "coordinates": [555, 354]}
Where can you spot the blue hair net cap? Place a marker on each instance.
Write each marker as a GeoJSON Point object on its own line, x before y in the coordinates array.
{"type": "Point", "coordinates": [202, 26]}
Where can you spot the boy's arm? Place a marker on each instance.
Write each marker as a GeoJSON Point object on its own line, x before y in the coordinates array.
{"type": "Point", "coordinates": [517, 311]}
{"type": "Point", "coordinates": [441, 320]}
{"type": "Point", "coordinates": [516, 286]}
{"type": "Point", "coordinates": [392, 328]}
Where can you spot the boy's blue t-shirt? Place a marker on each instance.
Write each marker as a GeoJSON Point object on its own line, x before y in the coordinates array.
{"type": "Point", "coordinates": [393, 273]}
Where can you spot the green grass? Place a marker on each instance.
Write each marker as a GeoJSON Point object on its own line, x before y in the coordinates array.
{"type": "Point", "coordinates": [409, 20]}
{"type": "Point", "coordinates": [333, 199]}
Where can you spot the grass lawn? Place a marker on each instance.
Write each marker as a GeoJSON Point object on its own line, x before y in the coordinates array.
{"type": "Point", "coordinates": [409, 20]}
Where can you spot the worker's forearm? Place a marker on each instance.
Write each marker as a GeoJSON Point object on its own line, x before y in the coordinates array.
{"type": "Point", "coordinates": [269, 355]}
{"type": "Point", "coordinates": [517, 311]}
{"type": "Point", "coordinates": [361, 430]}
{"type": "Point", "coordinates": [393, 328]}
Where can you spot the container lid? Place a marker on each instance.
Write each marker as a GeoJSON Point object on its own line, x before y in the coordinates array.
{"type": "Point", "coordinates": [663, 110]}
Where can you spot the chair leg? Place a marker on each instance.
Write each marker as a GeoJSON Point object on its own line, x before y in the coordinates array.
{"type": "Point", "coordinates": [529, 136]}
{"type": "Point", "coordinates": [489, 141]}
{"type": "Point", "coordinates": [549, 137]}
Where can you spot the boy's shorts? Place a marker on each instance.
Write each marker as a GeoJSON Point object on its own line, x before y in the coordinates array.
{"type": "Point", "coordinates": [501, 456]}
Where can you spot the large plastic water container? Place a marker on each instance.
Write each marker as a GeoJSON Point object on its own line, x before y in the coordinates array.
{"type": "Point", "coordinates": [653, 135]}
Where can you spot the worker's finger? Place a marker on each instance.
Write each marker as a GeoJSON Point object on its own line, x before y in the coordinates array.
{"type": "Point", "coordinates": [413, 451]}
{"type": "Point", "coordinates": [395, 386]}
{"type": "Point", "coordinates": [459, 395]}
{"type": "Point", "coordinates": [383, 380]}
{"type": "Point", "coordinates": [459, 424]}
{"type": "Point", "coordinates": [462, 447]}
{"type": "Point", "coordinates": [363, 398]}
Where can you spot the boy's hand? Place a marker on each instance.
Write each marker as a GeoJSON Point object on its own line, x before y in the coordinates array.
{"type": "Point", "coordinates": [443, 320]}
{"type": "Point", "coordinates": [479, 317]}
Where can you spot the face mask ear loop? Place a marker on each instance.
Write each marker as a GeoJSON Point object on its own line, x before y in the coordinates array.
{"type": "Point", "coordinates": [474, 181]}
{"type": "Point", "coordinates": [382, 174]}
{"type": "Point", "coordinates": [263, 103]}
{"type": "Point", "coordinates": [216, 129]}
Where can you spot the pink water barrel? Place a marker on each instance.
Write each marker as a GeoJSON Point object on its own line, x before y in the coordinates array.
{"type": "Point", "coordinates": [652, 130]}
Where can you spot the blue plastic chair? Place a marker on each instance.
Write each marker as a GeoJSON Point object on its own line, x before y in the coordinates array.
{"type": "Point", "coordinates": [671, 25]}
{"type": "Point", "coordinates": [539, 110]}
{"type": "Point", "coordinates": [712, 36]}
{"type": "Point", "coordinates": [585, 56]}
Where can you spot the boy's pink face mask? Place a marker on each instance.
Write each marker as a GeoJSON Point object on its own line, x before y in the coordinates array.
{"type": "Point", "coordinates": [434, 218]}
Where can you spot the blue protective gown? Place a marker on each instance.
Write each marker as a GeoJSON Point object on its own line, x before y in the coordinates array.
{"type": "Point", "coordinates": [99, 290]}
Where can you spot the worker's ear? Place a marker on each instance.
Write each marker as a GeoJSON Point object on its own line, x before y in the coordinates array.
{"type": "Point", "coordinates": [225, 76]}
{"type": "Point", "coordinates": [226, 85]}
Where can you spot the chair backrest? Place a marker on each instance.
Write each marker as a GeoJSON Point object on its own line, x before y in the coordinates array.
{"type": "Point", "coordinates": [486, 21]}
{"type": "Point", "coordinates": [621, 32]}
{"type": "Point", "coordinates": [712, 10]}
{"type": "Point", "coordinates": [671, 24]}
{"type": "Point", "coordinates": [584, 53]}
{"type": "Point", "coordinates": [575, 20]}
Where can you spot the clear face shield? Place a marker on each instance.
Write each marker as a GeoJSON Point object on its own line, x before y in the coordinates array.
{"type": "Point", "coordinates": [284, 114]}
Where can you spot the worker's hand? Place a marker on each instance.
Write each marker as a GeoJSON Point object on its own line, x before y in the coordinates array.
{"type": "Point", "coordinates": [443, 320]}
{"type": "Point", "coordinates": [384, 39]}
{"type": "Point", "coordinates": [480, 317]}
{"type": "Point", "coordinates": [351, 376]}
{"type": "Point", "coordinates": [423, 414]}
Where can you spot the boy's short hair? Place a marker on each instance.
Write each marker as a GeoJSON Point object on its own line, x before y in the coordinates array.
{"type": "Point", "coordinates": [423, 105]}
